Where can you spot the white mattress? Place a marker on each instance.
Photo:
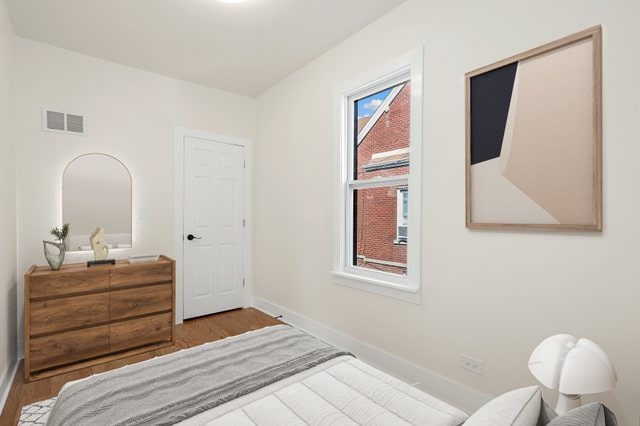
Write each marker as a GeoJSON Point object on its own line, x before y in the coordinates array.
{"type": "Point", "coordinates": [343, 391]}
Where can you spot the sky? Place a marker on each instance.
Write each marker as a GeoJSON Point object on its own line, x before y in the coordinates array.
{"type": "Point", "coordinates": [367, 106]}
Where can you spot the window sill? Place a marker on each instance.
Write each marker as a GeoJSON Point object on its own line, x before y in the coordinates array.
{"type": "Point", "coordinates": [377, 286]}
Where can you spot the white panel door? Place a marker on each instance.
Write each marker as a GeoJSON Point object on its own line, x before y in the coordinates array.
{"type": "Point", "coordinates": [213, 227]}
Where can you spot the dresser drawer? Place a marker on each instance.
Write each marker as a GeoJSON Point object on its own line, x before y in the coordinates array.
{"type": "Point", "coordinates": [70, 312]}
{"type": "Point", "coordinates": [64, 283]}
{"type": "Point", "coordinates": [68, 347]}
{"type": "Point", "coordinates": [141, 331]}
{"type": "Point", "coordinates": [141, 301]}
{"type": "Point", "coordinates": [127, 275]}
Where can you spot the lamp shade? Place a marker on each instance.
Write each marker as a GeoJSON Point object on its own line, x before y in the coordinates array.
{"type": "Point", "coordinates": [573, 366]}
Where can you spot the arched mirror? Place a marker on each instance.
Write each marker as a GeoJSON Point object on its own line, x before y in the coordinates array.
{"type": "Point", "coordinates": [96, 192]}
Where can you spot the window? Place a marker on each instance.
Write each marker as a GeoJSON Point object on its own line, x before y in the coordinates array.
{"type": "Point", "coordinates": [402, 215]}
{"type": "Point", "coordinates": [378, 132]}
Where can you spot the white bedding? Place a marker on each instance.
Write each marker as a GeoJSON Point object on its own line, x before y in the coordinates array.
{"type": "Point", "coordinates": [343, 391]}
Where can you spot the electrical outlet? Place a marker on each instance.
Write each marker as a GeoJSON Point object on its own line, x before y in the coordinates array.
{"type": "Point", "coordinates": [471, 364]}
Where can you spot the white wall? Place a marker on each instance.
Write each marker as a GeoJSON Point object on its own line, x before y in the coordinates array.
{"type": "Point", "coordinates": [493, 295]}
{"type": "Point", "coordinates": [131, 115]}
{"type": "Point", "coordinates": [7, 202]}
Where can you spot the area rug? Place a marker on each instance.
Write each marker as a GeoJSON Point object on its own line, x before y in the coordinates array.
{"type": "Point", "coordinates": [36, 413]}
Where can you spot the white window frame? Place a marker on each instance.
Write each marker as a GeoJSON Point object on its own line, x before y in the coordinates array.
{"type": "Point", "coordinates": [408, 67]}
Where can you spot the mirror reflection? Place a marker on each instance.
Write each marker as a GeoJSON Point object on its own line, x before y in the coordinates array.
{"type": "Point", "coordinates": [96, 192]}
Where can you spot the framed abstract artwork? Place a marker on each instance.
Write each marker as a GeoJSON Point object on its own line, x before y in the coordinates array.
{"type": "Point", "coordinates": [534, 138]}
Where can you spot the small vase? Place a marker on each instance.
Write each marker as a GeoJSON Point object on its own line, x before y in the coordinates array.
{"type": "Point", "coordinates": [54, 259]}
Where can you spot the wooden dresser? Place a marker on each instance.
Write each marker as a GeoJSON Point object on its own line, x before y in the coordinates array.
{"type": "Point", "coordinates": [78, 316]}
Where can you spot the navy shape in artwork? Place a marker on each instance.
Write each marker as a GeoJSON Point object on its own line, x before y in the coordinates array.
{"type": "Point", "coordinates": [490, 98]}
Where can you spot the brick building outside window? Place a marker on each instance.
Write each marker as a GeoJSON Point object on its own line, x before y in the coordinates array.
{"type": "Point", "coordinates": [380, 213]}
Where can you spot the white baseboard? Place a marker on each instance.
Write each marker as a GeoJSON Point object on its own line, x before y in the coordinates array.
{"type": "Point", "coordinates": [456, 394]}
{"type": "Point", "coordinates": [7, 381]}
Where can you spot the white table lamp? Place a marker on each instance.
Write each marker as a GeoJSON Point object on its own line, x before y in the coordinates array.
{"type": "Point", "coordinates": [572, 366]}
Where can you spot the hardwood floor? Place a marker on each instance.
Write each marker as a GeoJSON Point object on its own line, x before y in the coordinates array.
{"type": "Point", "coordinates": [191, 333]}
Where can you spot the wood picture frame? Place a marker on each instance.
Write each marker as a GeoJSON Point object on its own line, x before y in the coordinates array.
{"type": "Point", "coordinates": [534, 138]}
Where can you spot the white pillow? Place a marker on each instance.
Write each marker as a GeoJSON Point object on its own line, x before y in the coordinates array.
{"type": "Point", "coordinates": [594, 414]}
{"type": "Point", "coordinates": [520, 407]}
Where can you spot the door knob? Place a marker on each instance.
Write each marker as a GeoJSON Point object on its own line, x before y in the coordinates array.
{"type": "Point", "coordinates": [192, 237]}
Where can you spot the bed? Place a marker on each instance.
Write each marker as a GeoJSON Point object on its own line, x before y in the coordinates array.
{"type": "Point", "coordinates": [273, 376]}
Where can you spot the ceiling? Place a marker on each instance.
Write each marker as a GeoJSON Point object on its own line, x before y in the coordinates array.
{"type": "Point", "coordinates": [243, 48]}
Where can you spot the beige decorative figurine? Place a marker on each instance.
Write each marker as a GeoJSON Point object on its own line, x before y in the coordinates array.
{"type": "Point", "coordinates": [99, 244]}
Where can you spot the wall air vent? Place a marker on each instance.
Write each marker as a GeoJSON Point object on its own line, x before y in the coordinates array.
{"type": "Point", "coordinates": [55, 121]}
{"type": "Point", "coordinates": [75, 123]}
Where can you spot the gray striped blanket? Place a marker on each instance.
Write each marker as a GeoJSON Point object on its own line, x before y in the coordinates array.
{"type": "Point", "coordinates": [174, 387]}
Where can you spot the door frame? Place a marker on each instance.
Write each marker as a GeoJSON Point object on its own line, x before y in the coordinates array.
{"type": "Point", "coordinates": [178, 237]}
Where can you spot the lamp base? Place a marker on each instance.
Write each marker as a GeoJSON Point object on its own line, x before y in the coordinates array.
{"type": "Point", "coordinates": [567, 403]}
